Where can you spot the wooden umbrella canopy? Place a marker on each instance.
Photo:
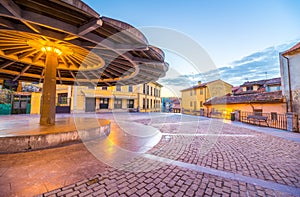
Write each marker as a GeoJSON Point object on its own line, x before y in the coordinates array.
{"type": "Point", "coordinates": [67, 42]}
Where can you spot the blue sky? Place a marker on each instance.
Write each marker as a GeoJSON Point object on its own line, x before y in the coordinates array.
{"type": "Point", "coordinates": [228, 30]}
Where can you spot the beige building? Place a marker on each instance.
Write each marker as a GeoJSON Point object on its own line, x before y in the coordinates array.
{"type": "Point", "coordinates": [143, 98]}
{"type": "Point", "coordinates": [194, 97]}
{"type": "Point", "coordinates": [79, 99]}
{"type": "Point", "coordinates": [290, 71]}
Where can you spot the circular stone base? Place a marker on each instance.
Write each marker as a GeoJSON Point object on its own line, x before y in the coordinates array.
{"type": "Point", "coordinates": [23, 133]}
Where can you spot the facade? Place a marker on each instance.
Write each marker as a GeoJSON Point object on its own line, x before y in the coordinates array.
{"type": "Point", "coordinates": [143, 98]}
{"type": "Point", "coordinates": [263, 96]}
{"type": "Point", "coordinates": [149, 97]}
{"type": "Point", "coordinates": [171, 104]}
{"type": "Point", "coordinates": [290, 69]}
{"type": "Point", "coordinates": [194, 97]}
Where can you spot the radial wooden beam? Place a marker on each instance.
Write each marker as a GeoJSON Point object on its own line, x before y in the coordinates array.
{"type": "Point", "coordinates": [90, 26]}
{"type": "Point", "coordinates": [59, 76]}
{"type": "Point", "coordinates": [28, 53]}
{"type": "Point", "coordinates": [17, 51]}
{"type": "Point", "coordinates": [70, 37]}
{"type": "Point", "coordinates": [17, 12]}
{"type": "Point", "coordinates": [37, 56]}
{"type": "Point", "coordinates": [6, 23]}
{"type": "Point", "coordinates": [6, 64]}
{"type": "Point", "coordinates": [95, 75]}
{"type": "Point", "coordinates": [22, 72]}
{"type": "Point", "coordinates": [42, 76]}
{"type": "Point", "coordinates": [73, 75]}
{"type": "Point", "coordinates": [87, 77]}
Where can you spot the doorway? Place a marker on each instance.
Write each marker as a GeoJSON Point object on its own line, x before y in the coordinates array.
{"type": "Point", "coordinates": [21, 104]}
{"type": "Point", "coordinates": [104, 102]}
{"type": "Point", "coordinates": [90, 104]}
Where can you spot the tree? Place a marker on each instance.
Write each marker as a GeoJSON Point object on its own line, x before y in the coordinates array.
{"type": "Point", "coordinates": [5, 96]}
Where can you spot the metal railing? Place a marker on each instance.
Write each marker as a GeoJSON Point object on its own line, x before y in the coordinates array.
{"type": "Point", "coordinates": [273, 119]}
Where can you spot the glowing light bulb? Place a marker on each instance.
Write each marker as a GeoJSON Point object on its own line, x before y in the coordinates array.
{"type": "Point", "coordinates": [49, 49]}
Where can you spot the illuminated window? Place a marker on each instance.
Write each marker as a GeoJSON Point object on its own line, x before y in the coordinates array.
{"type": "Point", "coordinates": [257, 112]}
{"type": "Point", "coordinates": [129, 88]}
{"type": "Point", "coordinates": [201, 91]}
{"type": "Point", "coordinates": [118, 88]}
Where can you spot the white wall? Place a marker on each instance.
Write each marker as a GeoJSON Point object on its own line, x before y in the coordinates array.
{"type": "Point", "coordinates": [294, 64]}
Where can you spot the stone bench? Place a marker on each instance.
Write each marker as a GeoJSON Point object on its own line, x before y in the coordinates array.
{"type": "Point", "coordinates": [257, 118]}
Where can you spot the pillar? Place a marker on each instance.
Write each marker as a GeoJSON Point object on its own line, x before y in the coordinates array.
{"type": "Point", "coordinates": [49, 90]}
{"type": "Point", "coordinates": [292, 121]}
{"type": "Point", "coordinates": [237, 115]}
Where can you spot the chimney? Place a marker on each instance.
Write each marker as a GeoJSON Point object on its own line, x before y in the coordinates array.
{"type": "Point", "coordinates": [199, 82]}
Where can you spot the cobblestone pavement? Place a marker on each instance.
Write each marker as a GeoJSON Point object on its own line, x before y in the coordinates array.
{"type": "Point", "coordinates": [194, 157]}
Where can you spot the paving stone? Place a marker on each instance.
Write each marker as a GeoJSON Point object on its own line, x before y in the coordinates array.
{"type": "Point", "coordinates": [64, 192]}
{"type": "Point", "coordinates": [52, 192]}
{"type": "Point", "coordinates": [86, 193]}
{"type": "Point", "coordinates": [72, 193]}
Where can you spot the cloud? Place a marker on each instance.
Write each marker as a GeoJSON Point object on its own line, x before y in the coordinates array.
{"type": "Point", "coordinates": [256, 66]}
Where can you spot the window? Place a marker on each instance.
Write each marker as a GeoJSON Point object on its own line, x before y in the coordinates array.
{"type": "Point", "coordinates": [194, 91]}
{"type": "Point", "coordinates": [104, 88]}
{"type": "Point", "coordinates": [151, 91]}
{"type": "Point", "coordinates": [130, 103]}
{"type": "Point", "coordinates": [151, 104]}
{"type": "Point", "coordinates": [118, 88]}
{"type": "Point", "coordinates": [147, 103]}
{"type": "Point", "coordinates": [129, 88]}
{"type": "Point", "coordinates": [249, 88]}
{"type": "Point", "coordinates": [147, 89]}
{"type": "Point", "coordinates": [144, 103]}
{"type": "Point", "coordinates": [191, 104]}
{"type": "Point", "coordinates": [257, 112]}
{"type": "Point", "coordinates": [201, 103]}
{"type": "Point", "coordinates": [273, 88]}
{"type": "Point", "coordinates": [62, 98]}
{"type": "Point", "coordinates": [118, 103]}
{"type": "Point", "coordinates": [201, 91]}
{"type": "Point", "coordinates": [144, 88]}
{"type": "Point", "coordinates": [191, 93]}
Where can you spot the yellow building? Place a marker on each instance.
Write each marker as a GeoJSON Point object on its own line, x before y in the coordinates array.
{"type": "Point", "coordinates": [77, 99]}
{"type": "Point", "coordinates": [63, 99]}
{"type": "Point", "coordinates": [194, 97]}
{"type": "Point", "coordinates": [143, 98]}
{"type": "Point", "coordinates": [149, 97]}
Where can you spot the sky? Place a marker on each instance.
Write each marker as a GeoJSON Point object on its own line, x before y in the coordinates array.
{"type": "Point", "coordinates": [227, 31]}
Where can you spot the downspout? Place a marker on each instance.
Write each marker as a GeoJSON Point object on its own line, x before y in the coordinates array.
{"type": "Point", "coordinates": [289, 82]}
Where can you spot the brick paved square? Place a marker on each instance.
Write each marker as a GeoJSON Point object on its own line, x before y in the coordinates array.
{"type": "Point", "coordinates": [177, 166]}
